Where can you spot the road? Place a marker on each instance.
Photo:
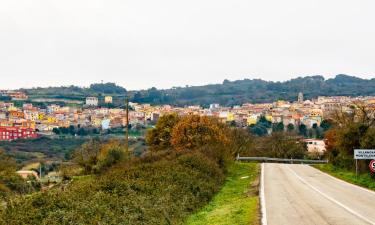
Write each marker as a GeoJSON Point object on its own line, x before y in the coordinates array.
{"type": "Point", "coordinates": [302, 195]}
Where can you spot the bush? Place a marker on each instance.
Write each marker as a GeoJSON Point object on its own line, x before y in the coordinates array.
{"type": "Point", "coordinates": [160, 188]}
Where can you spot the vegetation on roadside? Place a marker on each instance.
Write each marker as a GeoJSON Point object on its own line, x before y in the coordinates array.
{"type": "Point", "coordinates": [163, 186]}
{"type": "Point", "coordinates": [364, 179]}
{"type": "Point", "coordinates": [352, 129]}
{"type": "Point", "coordinates": [236, 203]}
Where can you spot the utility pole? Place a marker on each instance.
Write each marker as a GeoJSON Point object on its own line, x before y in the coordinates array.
{"type": "Point", "coordinates": [127, 124]}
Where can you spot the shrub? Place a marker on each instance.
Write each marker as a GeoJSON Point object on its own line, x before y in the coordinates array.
{"type": "Point", "coordinates": [160, 188]}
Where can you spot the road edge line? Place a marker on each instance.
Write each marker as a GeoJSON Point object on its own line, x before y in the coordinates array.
{"type": "Point", "coordinates": [331, 199]}
{"type": "Point", "coordinates": [345, 182]}
{"type": "Point", "coordinates": [262, 197]}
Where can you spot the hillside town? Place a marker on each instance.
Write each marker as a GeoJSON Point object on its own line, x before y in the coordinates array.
{"type": "Point", "coordinates": [29, 121]}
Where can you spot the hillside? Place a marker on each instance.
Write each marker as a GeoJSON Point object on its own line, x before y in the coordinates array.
{"type": "Point", "coordinates": [228, 93]}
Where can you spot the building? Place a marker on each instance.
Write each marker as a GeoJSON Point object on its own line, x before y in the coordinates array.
{"type": "Point", "coordinates": [108, 99]}
{"type": "Point", "coordinates": [315, 146]}
{"type": "Point", "coordinates": [14, 133]}
{"type": "Point", "coordinates": [25, 174]}
{"type": "Point", "coordinates": [300, 97]}
{"type": "Point", "coordinates": [214, 106]}
{"type": "Point", "coordinates": [92, 101]}
{"type": "Point", "coordinates": [17, 95]}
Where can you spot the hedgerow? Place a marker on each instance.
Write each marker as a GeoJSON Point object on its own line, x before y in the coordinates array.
{"type": "Point", "coordinates": [160, 188]}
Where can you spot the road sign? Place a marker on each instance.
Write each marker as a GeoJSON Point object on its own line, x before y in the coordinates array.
{"type": "Point", "coordinates": [364, 153]}
{"type": "Point", "coordinates": [372, 166]}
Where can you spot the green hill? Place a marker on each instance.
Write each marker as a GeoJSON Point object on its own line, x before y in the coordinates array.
{"type": "Point", "coordinates": [228, 93]}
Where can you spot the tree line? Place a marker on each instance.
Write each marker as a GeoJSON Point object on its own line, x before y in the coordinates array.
{"type": "Point", "coordinates": [229, 93]}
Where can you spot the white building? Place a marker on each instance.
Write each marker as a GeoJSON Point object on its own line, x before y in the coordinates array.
{"type": "Point", "coordinates": [315, 146]}
{"type": "Point", "coordinates": [214, 106]}
{"type": "Point", "coordinates": [92, 101]}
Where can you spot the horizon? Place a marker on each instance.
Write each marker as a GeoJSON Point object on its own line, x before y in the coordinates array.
{"type": "Point", "coordinates": [182, 86]}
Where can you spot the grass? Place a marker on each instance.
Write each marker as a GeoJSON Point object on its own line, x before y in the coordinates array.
{"type": "Point", "coordinates": [236, 203]}
{"type": "Point", "coordinates": [365, 180]}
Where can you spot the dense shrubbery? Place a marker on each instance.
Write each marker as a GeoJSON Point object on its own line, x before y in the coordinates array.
{"type": "Point", "coordinates": [25, 149]}
{"type": "Point", "coordinates": [10, 181]}
{"type": "Point", "coordinates": [181, 174]}
{"type": "Point", "coordinates": [95, 155]}
{"type": "Point", "coordinates": [160, 188]}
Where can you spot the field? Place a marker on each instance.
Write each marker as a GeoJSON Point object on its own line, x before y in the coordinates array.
{"type": "Point", "coordinates": [236, 203]}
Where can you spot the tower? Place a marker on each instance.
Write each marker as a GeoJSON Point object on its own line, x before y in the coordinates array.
{"type": "Point", "coordinates": [300, 97]}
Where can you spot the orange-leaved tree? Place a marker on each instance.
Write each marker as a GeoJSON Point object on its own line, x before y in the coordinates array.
{"type": "Point", "coordinates": [159, 138]}
{"type": "Point", "coordinates": [195, 131]}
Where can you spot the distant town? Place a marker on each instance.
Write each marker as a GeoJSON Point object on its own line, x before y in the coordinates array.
{"type": "Point", "coordinates": [28, 121]}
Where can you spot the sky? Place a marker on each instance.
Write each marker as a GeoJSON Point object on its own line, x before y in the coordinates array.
{"type": "Point", "coordinates": [140, 44]}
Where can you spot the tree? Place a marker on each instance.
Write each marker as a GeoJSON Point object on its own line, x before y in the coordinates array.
{"type": "Point", "coordinates": [283, 145]}
{"type": "Point", "coordinates": [278, 127]}
{"type": "Point", "coordinates": [56, 130]}
{"type": "Point", "coordinates": [261, 127]}
{"type": "Point", "coordinates": [350, 130]}
{"type": "Point", "coordinates": [302, 130]}
{"type": "Point", "coordinates": [243, 142]}
{"type": "Point", "coordinates": [258, 130]}
{"type": "Point", "coordinates": [87, 155]}
{"type": "Point", "coordinates": [159, 138]}
{"type": "Point", "coordinates": [325, 125]}
{"type": "Point", "coordinates": [195, 131]}
{"type": "Point", "coordinates": [290, 127]}
{"type": "Point", "coordinates": [82, 132]}
{"type": "Point", "coordinates": [110, 154]}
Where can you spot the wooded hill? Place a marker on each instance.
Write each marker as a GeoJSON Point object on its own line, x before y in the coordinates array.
{"type": "Point", "coordinates": [228, 93]}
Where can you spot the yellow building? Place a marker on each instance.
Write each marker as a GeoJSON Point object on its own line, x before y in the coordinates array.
{"type": "Point", "coordinates": [41, 116]}
{"type": "Point", "coordinates": [230, 117]}
{"type": "Point", "coordinates": [52, 120]}
{"type": "Point", "coordinates": [108, 99]}
{"type": "Point", "coordinates": [251, 121]}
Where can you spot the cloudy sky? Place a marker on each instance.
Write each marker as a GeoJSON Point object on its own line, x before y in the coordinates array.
{"type": "Point", "coordinates": [165, 43]}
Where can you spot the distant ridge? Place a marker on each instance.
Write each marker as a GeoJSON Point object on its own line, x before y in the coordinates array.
{"type": "Point", "coordinates": [228, 93]}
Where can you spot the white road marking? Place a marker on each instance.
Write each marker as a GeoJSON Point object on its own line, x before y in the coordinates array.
{"type": "Point", "coordinates": [344, 182]}
{"type": "Point", "coordinates": [332, 199]}
{"type": "Point", "coordinates": [262, 197]}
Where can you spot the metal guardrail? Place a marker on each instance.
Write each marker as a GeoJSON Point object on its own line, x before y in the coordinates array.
{"type": "Point", "coordinates": [266, 159]}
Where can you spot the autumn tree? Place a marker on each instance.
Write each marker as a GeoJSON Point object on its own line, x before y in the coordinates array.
{"type": "Point", "coordinates": [196, 131]}
{"type": "Point", "coordinates": [159, 138]}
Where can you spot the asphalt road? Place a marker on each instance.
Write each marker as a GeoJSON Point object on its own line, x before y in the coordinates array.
{"type": "Point", "coordinates": [302, 195]}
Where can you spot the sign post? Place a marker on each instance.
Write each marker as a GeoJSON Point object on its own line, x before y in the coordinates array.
{"type": "Point", "coordinates": [364, 154]}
